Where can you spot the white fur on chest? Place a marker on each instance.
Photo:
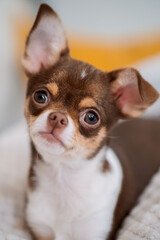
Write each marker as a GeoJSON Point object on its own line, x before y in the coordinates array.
{"type": "Point", "coordinates": [76, 204]}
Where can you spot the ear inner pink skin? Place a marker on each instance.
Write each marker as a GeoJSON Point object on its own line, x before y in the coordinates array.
{"type": "Point", "coordinates": [39, 59]}
{"type": "Point", "coordinates": [45, 42]}
{"type": "Point", "coordinates": [128, 96]}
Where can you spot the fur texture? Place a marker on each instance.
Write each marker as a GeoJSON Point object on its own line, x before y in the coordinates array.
{"type": "Point", "coordinates": [76, 184]}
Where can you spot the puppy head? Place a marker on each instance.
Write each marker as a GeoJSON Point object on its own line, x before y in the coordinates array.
{"type": "Point", "coordinates": [71, 105]}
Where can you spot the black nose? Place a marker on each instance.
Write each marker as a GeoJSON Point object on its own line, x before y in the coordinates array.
{"type": "Point", "coordinates": [58, 120]}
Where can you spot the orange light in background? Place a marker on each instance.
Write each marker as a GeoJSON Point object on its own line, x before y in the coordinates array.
{"type": "Point", "coordinates": [107, 57]}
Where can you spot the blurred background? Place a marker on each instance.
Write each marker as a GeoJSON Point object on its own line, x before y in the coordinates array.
{"type": "Point", "coordinates": [106, 33]}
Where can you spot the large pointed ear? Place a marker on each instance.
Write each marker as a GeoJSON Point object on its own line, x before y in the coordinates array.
{"type": "Point", "coordinates": [45, 43]}
{"type": "Point", "coordinates": [131, 93]}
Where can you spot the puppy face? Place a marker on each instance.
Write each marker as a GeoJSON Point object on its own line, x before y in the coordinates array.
{"type": "Point", "coordinates": [71, 105]}
{"type": "Point", "coordinates": [75, 91]}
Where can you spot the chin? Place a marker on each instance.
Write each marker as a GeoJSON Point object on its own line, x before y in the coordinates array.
{"type": "Point", "coordinates": [48, 145]}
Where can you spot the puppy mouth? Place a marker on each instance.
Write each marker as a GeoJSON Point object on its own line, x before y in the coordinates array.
{"type": "Point", "coordinates": [51, 138]}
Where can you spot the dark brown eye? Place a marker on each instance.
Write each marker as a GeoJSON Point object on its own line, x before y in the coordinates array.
{"type": "Point", "coordinates": [91, 118]}
{"type": "Point", "coordinates": [41, 96]}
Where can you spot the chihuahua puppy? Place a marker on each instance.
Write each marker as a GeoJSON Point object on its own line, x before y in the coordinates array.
{"type": "Point", "coordinates": [80, 187]}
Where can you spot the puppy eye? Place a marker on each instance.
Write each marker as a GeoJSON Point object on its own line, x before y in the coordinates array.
{"type": "Point", "coordinates": [91, 118]}
{"type": "Point", "coordinates": [41, 96]}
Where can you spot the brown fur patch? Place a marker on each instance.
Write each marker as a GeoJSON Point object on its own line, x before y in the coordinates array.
{"type": "Point", "coordinates": [53, 88]}
{"type": "Point", "coordinates": [28, 114]}
{"type": "Point", "coordinates": [105, 166]}
{"type": "Point", "coordinates": [26, 111]}
{"type": "Point", "coordinates": [87, 103]}
{"type": "Point", "coordinates": [93, 144]}
{"type": "Point", "coordinates": [137, 147]}
{"type": "Point", "coordinates": [32, 179]}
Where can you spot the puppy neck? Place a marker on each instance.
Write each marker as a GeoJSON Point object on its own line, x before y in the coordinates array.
{"type": "Point", "coordinates": [67, 161]}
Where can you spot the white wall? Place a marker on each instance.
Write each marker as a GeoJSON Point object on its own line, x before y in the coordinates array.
{"type": "Point", "coordinates": [11, 89]}
{"type": "Point", "coordinates": [118, 19]}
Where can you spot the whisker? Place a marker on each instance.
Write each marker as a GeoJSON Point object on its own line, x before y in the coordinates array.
{"type": "Point", "coordinates": [113, 137]}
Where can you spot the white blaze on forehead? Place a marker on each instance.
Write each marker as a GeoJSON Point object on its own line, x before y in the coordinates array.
{"type": "Point", "coordinates": [83, 73]}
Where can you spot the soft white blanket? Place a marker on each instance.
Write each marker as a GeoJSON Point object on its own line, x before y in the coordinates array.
{"type": "Point", "coordinates": [142, 224]}
{"type": "Point", "coordinates": [14, 163]}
